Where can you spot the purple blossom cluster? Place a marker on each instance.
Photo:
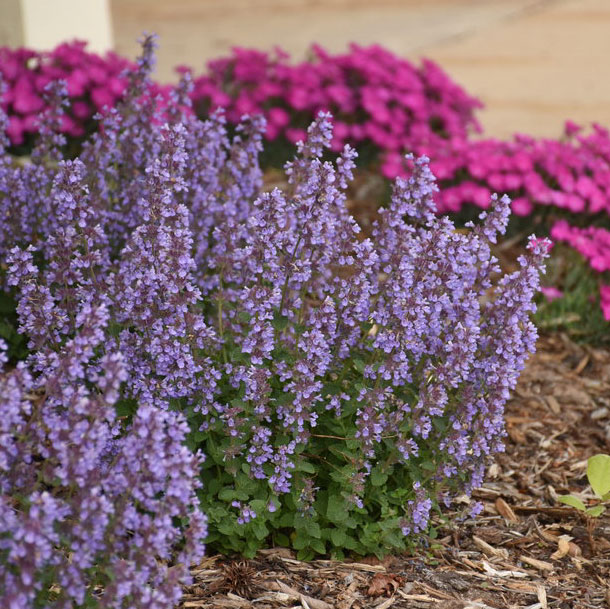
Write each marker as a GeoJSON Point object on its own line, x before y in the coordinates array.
{"type": "Point", "coordinates": [100, 509]}
{"type": "Point", "coordinates": [381, 103]}
{"type": "Point", "coordinates": [88, 505]}
{"type": "Point", "coordinates": [153, 273]}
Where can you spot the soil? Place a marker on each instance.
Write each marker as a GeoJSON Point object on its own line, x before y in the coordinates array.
{"type": "Point", "coordinates": [526, 550]}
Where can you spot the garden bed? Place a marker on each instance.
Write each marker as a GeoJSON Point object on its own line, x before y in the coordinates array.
{"type": "Point", "coordinates": [525, 550]}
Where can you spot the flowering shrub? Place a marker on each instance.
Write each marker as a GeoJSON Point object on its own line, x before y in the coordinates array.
{"type": "Point", "coordinates": [93, 83]}
{"type": "Point", "coordinates": [352, 406]}
{"type": "Point", "coordinates": [341, 386]}
{"type": "Point", "coordinates": [378, 99]}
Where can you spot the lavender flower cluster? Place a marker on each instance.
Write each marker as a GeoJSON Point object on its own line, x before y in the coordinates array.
{"type": "Point", "coordinates": [98, 505]}
{"type": "Point", "coordinates": [153, 273]}
{"type": "Point", "coordinates": [87, 509]}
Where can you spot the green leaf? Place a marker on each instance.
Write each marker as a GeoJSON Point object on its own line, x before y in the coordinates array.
{"type": "Point", "coordinates": [227, 494]}
{"type": "Point", "coordinates": [312, 528]}
{"type": "Point", "coordinates": [305, 466]}
{"type": "Point", "coordinates": [259, 529]}
{"type": "Point", "coordinates": [280, 322]}
{"type": "Point", "coordinates": [378, 478]}
{"type": "Point", "coordinates": [285, 398]}
{"type": "Point", "coordinates": [575, 502]}
{"type": "Point", "coordinates": [199, 436]}
{"type": "Point", "coordinates": [125, 408]}
{"type": "Point", "coordinates": [305, 554]}
{"type": "Point", "coordinates": [301, 540]}
{"type": "Point", "coordinates": [428, 465]}
{"type": "Point", "coordinates": [359, 365]}
{"type": "Point", "coordinates": [259, 506]}
{"type": "Point", "coordinates": [596, 511]}
{"type": "Point", "coordinates": [319, 546]}
{"type": "Point", "coordinates": [598, 473]}
{"type": "Point", "coordinates": [244, 316]}
{"type": "Point", "coordinates": [336, 510]}
{"type": "Point", "coordinates": [226, 528]}
{"type": "Point", "coordinates": [281, 540]}
{"type": "Point", "coordinates": [350, 543]}
{"type": "Point", "coordinates": [7, 303]}
{"type": "Point", "coordinates": [238, 403]}
{"type": "Point", "coordinates": [337, 536]}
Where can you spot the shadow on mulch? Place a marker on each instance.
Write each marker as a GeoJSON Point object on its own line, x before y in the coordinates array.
{"type": "Point", "coordinates": [526, 550]}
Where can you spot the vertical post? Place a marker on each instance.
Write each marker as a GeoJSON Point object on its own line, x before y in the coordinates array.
{"type": "Point", "coordinates": [43, 24]}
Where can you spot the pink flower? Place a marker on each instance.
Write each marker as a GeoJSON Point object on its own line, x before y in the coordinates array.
{"type": "Point", "coordinates": [82, 109]}
{"type": "Point", "coordinates": [272, 131]}
{"type": "Point", "coordinates": [295, 135]}
{"type": "Point", "coordinates": [25, 100]}
{"type": "Point", "coordinates": [551, 293]}
{"type": "Point", "coordinates": [570, 128]}
{"type": "Point", "coordinates": [30, 123]}
{"type": "Point", "coordinates": [522, 206]}
{"type": "Point", "coordinates": [14, 129]}
{"type": "Point", "coordinates": [102, 98]}
{"type": "Point", "coordinates": [392, 166]}
{"type": "Point", "coordinates": [77, 82]}
{"type": "Point", "coordinates": [339, 94]}
{"type": "Point", "coordinates": [278, 117]}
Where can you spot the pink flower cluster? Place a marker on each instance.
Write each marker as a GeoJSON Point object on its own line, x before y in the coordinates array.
{"type": "Point", "coordinates": [594, 244]}
{"type": "Point", "coordinates": [93, 83]}
{"type": "Point", "coordinates": [571, 173]}
{"type": "Point", "coordinates": [374, 95]}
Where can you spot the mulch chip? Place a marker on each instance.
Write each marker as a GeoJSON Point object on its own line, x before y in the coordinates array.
{"type": "Point", "coordinates": [526, 550]}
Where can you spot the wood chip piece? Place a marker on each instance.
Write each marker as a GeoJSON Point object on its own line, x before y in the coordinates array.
{"type": "Point", "coordinates": [554, 405]}
{"type": "Point", "coordinates": [502, 573]}
{"type": "Point", "coordinates": [488, 549]}
{"type": "Point", "coordinates": [541, 565]}
{"type": "Point", "coordinates": [582, 364]}
{"type": "Point", "coordinates": [384, 585]}
{"type": "Point", "coordinates": [362, 567]}
{"type": "Point", "coordinates": [541, 592]}
{"type": "Point", "coordinates": [387, 603]}
{"type": "Point", "coordinates": [505, 510]}
{"type": "Point", "coordinates": [313, 603]}
{"type": "Point", "coordinates": [563, 547]}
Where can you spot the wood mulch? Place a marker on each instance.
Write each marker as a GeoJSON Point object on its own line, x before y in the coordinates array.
{"type": "Point", "coordinates": [526, 550]}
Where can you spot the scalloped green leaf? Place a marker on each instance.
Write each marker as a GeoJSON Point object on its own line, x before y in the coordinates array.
{"type": "Point", "coordinates": [596, 511]}
{"type": "Point", "coordinates": [572, 501]}
{"type": "Point", "coordinates": [598, 473]}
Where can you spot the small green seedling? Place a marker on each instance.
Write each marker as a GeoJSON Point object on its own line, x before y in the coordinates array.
{"type": "Point", "coordinates": [598, 474]}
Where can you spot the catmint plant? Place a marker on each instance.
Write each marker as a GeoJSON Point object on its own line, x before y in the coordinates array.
{"type": "Point", "coordinates": [368, 379]}
{"type": "Point", "coordinates": [343, 386]}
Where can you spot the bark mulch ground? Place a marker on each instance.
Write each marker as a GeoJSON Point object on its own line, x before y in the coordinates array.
{"type": "Point", "coordinates": [526, 550]}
